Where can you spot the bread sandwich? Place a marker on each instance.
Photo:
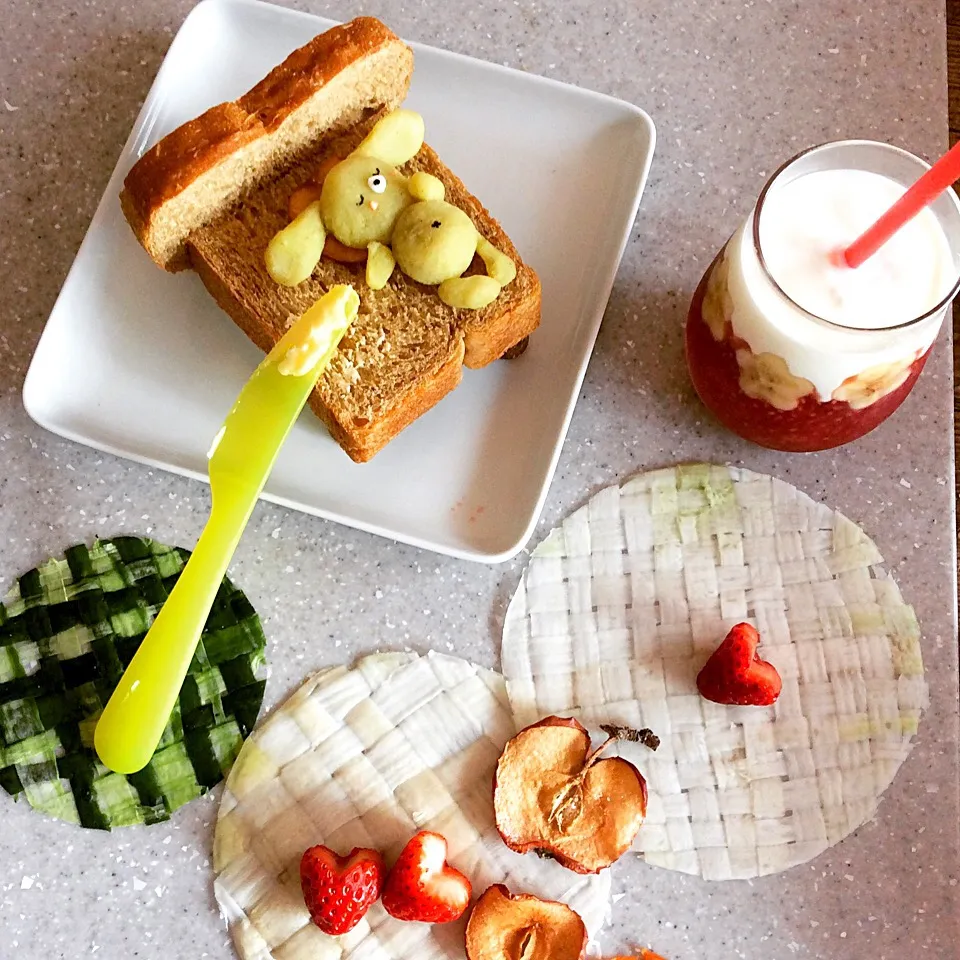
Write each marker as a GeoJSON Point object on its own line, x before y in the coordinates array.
{"type": "Point", "coordinates": [214, 193]}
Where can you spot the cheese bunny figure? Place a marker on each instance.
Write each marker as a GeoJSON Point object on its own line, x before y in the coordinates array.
{"type": "Point", "coordinates": [434, 242]}
{"type": "Point", "coordinates": [358, 204]}
{"type": "Point", "coordinates": [357, 211]}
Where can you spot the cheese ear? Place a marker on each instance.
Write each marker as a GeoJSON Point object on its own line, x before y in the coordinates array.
{"type": "Point", "coordinates": [395, 139]}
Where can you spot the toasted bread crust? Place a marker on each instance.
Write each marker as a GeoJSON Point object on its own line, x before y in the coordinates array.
{"type": "Point", "coordinates": [179, 158]}
{"type": "Point", "coordinates": [501, 333]}
{"type": "Point", "coordinates": [312, 66]}
{"type": "Point", "coordinates": [185, 154]}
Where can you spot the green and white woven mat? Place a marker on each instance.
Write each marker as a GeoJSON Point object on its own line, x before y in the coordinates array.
{"type": "Point", "coordinates": [67, 631]}
{"type": "Point", "coordinates": [622, 605]}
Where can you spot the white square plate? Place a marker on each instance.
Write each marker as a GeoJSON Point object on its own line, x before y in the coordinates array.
{"type": "Point", "coordinates": [140, 363]}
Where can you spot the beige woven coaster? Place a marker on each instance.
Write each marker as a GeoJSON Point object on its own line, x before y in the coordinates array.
{"type": "Point", "coordinates": [624, 602]}
{"type": "Point", "coordinates": [367, 757]}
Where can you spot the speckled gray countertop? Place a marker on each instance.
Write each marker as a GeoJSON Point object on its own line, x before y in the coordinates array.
{"type": "Point", "coordinates": [735, 87]}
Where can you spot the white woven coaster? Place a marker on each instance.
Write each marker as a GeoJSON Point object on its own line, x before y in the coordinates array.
{"type": "Point", "coordinates": [367, 757]}
{"type": "Point", "coordinates": [622, 605]}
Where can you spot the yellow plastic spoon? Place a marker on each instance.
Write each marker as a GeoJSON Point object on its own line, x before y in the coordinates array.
{"type": "Point", "coordinates": [241, 458]}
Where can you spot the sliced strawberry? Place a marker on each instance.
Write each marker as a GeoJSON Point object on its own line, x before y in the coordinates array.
{"type": "Point", "coordinates": [423, 886]}
{"type": "Point", "coordinates": [734, 674]}
{"type": "Point", "coordinates": [338, 890]}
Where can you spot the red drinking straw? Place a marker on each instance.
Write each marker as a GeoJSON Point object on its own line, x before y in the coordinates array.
{"type": "Point", "coordinates": [943, 174]}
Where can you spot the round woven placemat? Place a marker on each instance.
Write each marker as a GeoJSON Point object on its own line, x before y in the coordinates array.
{"type": "Point", "coordinates": [622, 604]}
{"type": "Point", "coordinates": [367, 756]}
{"type": "Point", "coordinates": [68, 629]}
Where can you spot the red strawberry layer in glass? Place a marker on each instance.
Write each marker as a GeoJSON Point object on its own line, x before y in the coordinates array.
{"type": "Point", "coordinates": [812, 425]}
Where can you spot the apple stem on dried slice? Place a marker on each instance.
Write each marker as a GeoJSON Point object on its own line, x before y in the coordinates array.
{"type": "Point", "coordinates": [556, 797]}
{"type": "Point", "coordinates": [569, 801]}
{"type": "Point", "coordinates": [615, 732]}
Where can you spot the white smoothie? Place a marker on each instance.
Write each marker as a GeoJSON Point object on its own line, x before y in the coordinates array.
{"type": "Point", "coordinates": [806, 221]}
{"type": "Point", "coordinates": [802, 223]}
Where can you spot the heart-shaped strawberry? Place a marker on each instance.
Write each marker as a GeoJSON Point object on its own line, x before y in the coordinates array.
{"type": "Point", "coordinates": [338, 890]}
{"type": "Point", "coordinates": [735, 675]}
{"type": "Point", "coordinates": [422, 886]}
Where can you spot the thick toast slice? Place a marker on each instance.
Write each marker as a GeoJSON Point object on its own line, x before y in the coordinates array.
{"type": "Point", "coordinates": [406, 349]}
{"type": "Point", "coordinates": [196, 172]}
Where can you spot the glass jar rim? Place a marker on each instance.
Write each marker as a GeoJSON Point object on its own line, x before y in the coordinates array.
{"type": "Point", "coordinates": [933, 311]}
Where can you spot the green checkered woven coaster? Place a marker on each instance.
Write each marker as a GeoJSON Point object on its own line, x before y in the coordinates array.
{"type": "Point", "coordinates": [68, 629]}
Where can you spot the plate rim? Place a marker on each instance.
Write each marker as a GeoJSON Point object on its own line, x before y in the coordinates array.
{"type": "Point", "coordinates": [135, 146]}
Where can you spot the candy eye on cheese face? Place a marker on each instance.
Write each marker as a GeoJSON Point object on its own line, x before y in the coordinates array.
{"type": "Point", "coordinates": [369, 756]}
